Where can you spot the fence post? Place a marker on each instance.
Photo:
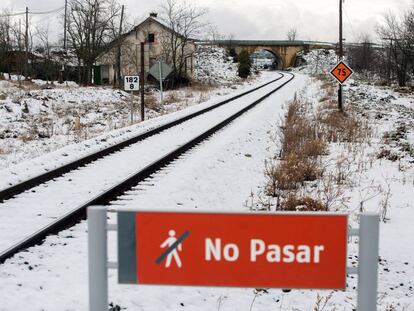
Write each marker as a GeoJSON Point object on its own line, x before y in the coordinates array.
{"type": "Point", "coordinates": [368, 262]}
{"type": "Point", "coordinates": [98, 258]}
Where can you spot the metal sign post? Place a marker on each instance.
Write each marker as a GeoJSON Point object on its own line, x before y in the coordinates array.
{"type": "Point", "coordinates": [132, 107]}
{"type": "Point", "coordinates": [179, 239]}
{"type": "Point", "coordinates": [161, 81]}
{"type": "Point", "coordinates": [341, 72]}
{"type": "Point", "coordinates": [131, 83]}
{"type": "Point", "coordinates": [160, 71]}
{"type": "Point", "coordinates": [368, 262]}
{"type": "Point", "coordinates": [97, 250]}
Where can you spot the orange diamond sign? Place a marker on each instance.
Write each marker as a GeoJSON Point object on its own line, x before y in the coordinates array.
{"type": "Point", "coordinates": [342, 72]}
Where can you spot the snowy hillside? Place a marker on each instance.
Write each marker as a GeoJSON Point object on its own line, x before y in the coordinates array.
{"type": "Point", "coordinates": [318, 61]}
{"type": "Point", "coordinates": [214, 66]}
{"type": "Point", "coordinates": [366, 164]}
{"type": "Point", "coordinates": [39, 118]}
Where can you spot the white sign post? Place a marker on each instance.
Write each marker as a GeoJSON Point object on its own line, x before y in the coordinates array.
{"type": "Point", "coordinates": [131, 83]}
{"type": "Point", "coordinates": [160, 71]}
{"type": "Point", "coordinates": [367, 269]}
{"type": "Point", "coordinates": [161, 80]}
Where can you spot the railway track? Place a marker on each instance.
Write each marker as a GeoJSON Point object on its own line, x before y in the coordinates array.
{"type": "Point", "coordinates": [109, 194]}
{"type": "Point", "coordinates": [18, 188]}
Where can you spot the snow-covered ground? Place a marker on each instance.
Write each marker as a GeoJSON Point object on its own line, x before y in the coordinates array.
{"type": "Point", "coordinates": [38, 160]}
{"type": "Point", "coordinates": [222, 174]}
{"type": "Point", "coordinates": [58, 197]}
{"type": "Point", "coordinates": [214, 66]}
{"type": "Point", "coordinates": [236, 153]}
{"type": "Point", "coordinates": [38, 118]}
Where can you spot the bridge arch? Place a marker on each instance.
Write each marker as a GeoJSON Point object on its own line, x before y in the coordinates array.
{"type": "Point", "coordinates": [285, 54]}
{"type": "Point", "coordinates": [277, 59]}
{"type": "Point", "coordinates": [285, 50]}
{"type": "Point", "coordinates": [266, 59]}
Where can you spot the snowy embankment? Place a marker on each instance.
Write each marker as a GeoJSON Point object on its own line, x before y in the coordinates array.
{"type": "Point", "coordinates": [217, 175]}
{"type": "Point", "coordinates": [214, 66]}
{"type": "Point", "coordinates": [39, 118]}
{"type": "Point", "coordinates": [40, 161]}
{"type": "Point", "coordinates": [376, 175]}
{"type": "Point", "coordinates": [58, 197]}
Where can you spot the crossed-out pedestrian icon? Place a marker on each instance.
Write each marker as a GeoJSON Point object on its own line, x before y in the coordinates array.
{"type": "Point", "coordinates": [174, 245]}
{"type": "Point", "coordinates": [174, 254]}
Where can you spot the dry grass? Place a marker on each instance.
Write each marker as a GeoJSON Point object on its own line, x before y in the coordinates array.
{"type": "Point", "coordinates": [26, 138]}
{"type": "Point", "coordinates": [201, 87]}
{"type": "Point", "coordinates": [301, 148]}
{"type": "Point", "coordinates": [172, 97]}
{"type": "Point", "coordinates": [299, 135]}
{"type": "Point", "coordinates": [304, 139]}
{"type": "Point", "coordinates": [305, 204]}
{"type": "Point", "coordinates": [152, 103]}
{"type": "Point", "coordinates": [341, 127]}
{"type": "Point", "coordinates": [292, 172]}
{"type": "Point", "coordinates": [301, 180]}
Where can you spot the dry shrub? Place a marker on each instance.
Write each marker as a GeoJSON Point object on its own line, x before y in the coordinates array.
{"type": "Point", "coordinates": [172, 97]}
{"type": "Point", "coordinates": [323, 99]}
{"type": "Point", "coordinates": [328, 85]}
{"type": "Point", "coordinates": [305, 204]}
{"type": "Point", "coordinates": [314, 148]}
{"type": "Point", "coordinates": [342, 127]}
{"type": "Point", "coordinates": [27, 137]}
{"type": "Point", "coordinates": [152, 103]}
{"type": "Point", "coordinates": [301, 147]}
{"type": "Point", "coordinates": [328, 105]}
{"type": "Point", "coordinates": [382, 83]}
{"type": "Point", "coordinates": [290, 173]}
{"type": "Point", "coordinates": [388, 154]}
{"type": "Point", "coordinates": [321, 76]}
{"type": "Point", "coordinates": [201, 87]}
{"type": "Point", "coordinates": [299, 135]}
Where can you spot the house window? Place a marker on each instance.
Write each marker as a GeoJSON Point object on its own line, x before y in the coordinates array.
{"type": "Point", "coordinates": [151, 38]}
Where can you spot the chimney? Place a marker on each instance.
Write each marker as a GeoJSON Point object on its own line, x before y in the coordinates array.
{"type": "Point", "coordinates": [154, 14]}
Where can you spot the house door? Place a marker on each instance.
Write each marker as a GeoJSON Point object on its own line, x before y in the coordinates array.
{"type": "Point", "coordinates": [97, 80]}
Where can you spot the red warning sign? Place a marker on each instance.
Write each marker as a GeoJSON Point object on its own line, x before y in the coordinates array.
{"type": "Point", "coordinates": [342, 72]}
{"type": "Point", "coordinates": [243, 250]}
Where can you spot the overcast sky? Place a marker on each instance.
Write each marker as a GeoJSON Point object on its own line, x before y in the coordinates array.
{"type": "Point", "coordinates": [257, 19]}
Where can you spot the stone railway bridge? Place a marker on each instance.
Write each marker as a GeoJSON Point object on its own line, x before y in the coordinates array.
{"type": "Point", "coordinates": [284, 51]}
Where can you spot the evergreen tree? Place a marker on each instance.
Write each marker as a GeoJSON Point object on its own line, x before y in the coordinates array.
{"type": "Point", "coordinates": [244, 64]}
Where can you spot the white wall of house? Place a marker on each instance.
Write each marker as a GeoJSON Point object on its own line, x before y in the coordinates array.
{"type": "Point", "coordinates": [149, 30]}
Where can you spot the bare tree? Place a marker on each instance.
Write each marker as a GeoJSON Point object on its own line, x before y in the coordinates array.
{"type": "Point", "coordinates": [45, 48]}
{"type": "Point", "coordinates": [185, 21]}
{"type": "Point", "coordinates": [91, 26]}
{"type": "Point", "coordinates": [363, 57]}
{"type": "Point", "coordinates": [291, 34]}
{"type": "Point", "coordinates": [399, 33]}
{"type": "Point", "coordinates": [5, 42]}
{"type": "Point", "coordinates": [213, 34]}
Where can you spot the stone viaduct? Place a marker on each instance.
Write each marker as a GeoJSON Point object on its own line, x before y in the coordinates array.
{"type": "Point", "coordinates": [284, 51]}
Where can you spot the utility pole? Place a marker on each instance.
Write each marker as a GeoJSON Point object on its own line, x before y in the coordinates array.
{"type": "Point", "coordinates": [118, 56]}
{"type": "Point", "coordinates": [341, 55]}
{"type": "Point", "coordinates": [161, 80]}
{"type": "Point", "coordinates": [65, 25]}
{"type": "Point", "coordinates": [27, 45]}
{"type": "Point", "coordinates": [389, 58]}
{"type": "Point", "coordinates": [62, 70]}
{"type": "Point", "coordinates": [142, 80]}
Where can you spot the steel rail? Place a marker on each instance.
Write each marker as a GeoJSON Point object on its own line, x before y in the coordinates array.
{"type": "Point", "coordinates": [111, 194]}
{"type": "Point", "coordinates": [16, 189]}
